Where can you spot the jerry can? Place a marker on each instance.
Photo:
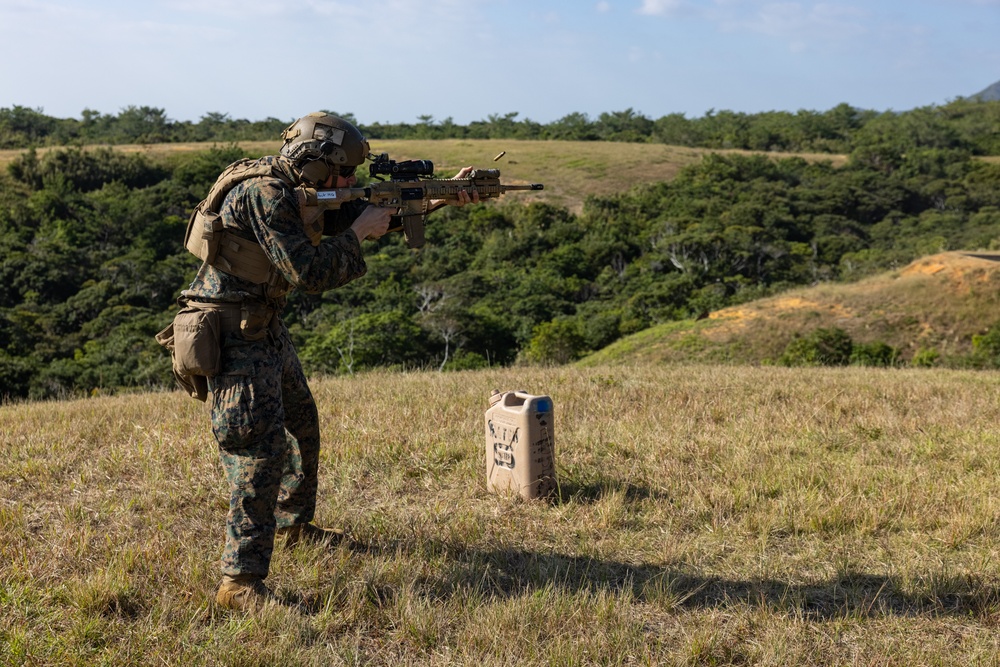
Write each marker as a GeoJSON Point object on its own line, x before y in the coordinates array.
{"type": "Point", "coordinates": [520, 445]}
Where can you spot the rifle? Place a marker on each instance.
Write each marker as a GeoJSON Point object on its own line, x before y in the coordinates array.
{"type": "Point", "coordinates": [411, 189]}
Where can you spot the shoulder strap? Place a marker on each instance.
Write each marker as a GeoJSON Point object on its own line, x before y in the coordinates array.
{"type": "Point", "coordinates": [240, 171]}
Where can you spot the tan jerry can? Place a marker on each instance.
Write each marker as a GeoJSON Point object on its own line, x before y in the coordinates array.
{"type": "Point", "coordinates": [520, 444]}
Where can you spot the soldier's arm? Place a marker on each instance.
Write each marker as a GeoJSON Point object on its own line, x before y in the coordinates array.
{"type": "Point", "coordinates": [274, 212]}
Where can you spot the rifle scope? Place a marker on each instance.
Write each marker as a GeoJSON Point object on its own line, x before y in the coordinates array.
{"type": "Point", "coordinates": [405, 169]}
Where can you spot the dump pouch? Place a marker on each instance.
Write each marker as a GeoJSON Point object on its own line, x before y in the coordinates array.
{"type": "Point", "coordinates": [197, 342]}
{"type": "Point", "coordinates": [195, 385]}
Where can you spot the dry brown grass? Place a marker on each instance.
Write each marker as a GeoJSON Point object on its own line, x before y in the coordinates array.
{"type": "Point", "coordinates": [937, 302]}
{"type": "Point", "coordinates": [709, 515]}
{"type": "Point", "coordinates": [570, 170]}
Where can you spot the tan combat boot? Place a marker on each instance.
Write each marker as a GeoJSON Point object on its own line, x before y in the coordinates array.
{"type": "Point", "coordinates": [310, 533]}
{"type": "Point", "coordinates": [243, 592]}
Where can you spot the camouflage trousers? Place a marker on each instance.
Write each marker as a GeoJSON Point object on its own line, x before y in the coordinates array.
{"type": "Point", "coordinates": [267, 426]}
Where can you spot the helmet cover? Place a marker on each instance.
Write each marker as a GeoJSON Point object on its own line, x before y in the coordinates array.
{"type": "Point", "coordinates": [322, 136]}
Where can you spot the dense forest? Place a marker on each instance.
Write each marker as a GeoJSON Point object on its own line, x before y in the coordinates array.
{"type": "Point", "coordinates": [92, 261]}
{"type": "Point", "coordinates": [969, 124]}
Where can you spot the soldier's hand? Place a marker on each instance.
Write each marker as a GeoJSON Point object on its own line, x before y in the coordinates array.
{"type": "Point", "coordinates": [464, 196]}
{"type": "Point", "coordinates": [372, 223]}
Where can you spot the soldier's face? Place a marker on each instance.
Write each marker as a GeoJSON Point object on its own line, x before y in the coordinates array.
{"type": "Point", "coordinates": [340, 181]}
{"type": "Point", "coordinates": [344, 178]}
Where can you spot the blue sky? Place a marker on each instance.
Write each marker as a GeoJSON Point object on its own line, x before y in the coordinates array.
{"type": "Point", "coordinates": [396, 60]}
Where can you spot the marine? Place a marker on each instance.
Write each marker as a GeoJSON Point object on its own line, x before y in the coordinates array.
{"type": "Point", "coordinates": [228, 339]}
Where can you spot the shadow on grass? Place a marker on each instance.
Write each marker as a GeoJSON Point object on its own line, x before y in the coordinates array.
{"type": "Point", "coordinates": [591, 492]}
{"type": "Point", "coordinates": [511, 573]}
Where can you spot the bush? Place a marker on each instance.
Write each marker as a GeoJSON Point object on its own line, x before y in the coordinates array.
{"type": "Point", "coordinates": [986, 348]}
{"type": "Point", "coordinates": [822, 347]}
{"type": "Point", "coordinates": [926, 358]}
{"type": "Point", "coordinates": [464, 360]}
{"type": "Point", "coordinates": [555, 342]}
{"type": "Point", "coordinates": [15, 376]}
{"type": "Point", "coordinates": [874, 354]}
{"type": "Point", "coordinates": [366, 341]}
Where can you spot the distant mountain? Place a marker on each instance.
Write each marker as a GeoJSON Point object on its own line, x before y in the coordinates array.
{"type": "Point", "coordinates": [991, 94]}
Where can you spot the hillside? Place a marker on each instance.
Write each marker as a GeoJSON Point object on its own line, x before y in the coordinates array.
{"type": "Point", "coordinates": [938, 302]}
{"type": "Point", "coordinates": [570, 170]}
{"type": "Point", "coordinates": [93, 255]}
{"type": "Point", "coordinates": [988, 94]}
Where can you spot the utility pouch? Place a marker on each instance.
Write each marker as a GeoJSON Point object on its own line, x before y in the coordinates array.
{"type": "Point", "coordinates": [203, 233]}
{"type": "Point", "coordinates": [257, 322]}
{"type": "Point", "coordinates": [195, 385]}
{"type": "Point", "coordinates": [197, 342]}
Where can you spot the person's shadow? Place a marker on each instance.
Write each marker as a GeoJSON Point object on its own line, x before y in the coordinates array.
{"type": "Point", "coordinates": [513, 572]}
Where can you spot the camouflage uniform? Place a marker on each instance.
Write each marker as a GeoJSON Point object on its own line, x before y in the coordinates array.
{"type": "Point", "coordinates": [263, 413]}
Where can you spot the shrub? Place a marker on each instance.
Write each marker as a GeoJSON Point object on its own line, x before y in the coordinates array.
{"type": "Point", "coordinates": [555, 342]}
{"type": "Point", "coordinates": [15, 376]}
{"type": "Point", "coordinates": [986, 348]}
{"type": "Point", "coordinates": [364, 342]}
{"type": "Point", "coordinates": [822, 347]}
{"type": "Point", "coordinates": [464, 360]}
{"type": "Point", "coordinates": [874, 354]}
{"type": "Point", "coordinates": [926, 358]}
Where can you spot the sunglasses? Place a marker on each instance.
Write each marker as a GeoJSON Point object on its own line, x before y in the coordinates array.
{"type": "Point", "coordinates": [346, 172]}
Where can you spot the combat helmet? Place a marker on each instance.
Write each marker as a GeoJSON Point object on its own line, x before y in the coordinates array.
{"type": "Point", "coordinates": [319, 141]}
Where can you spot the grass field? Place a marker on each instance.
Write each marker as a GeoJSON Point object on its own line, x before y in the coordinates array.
{"type": "Point", "coordinates": [708, 516]}
{"type": "Point", "coordinates": [570, 170]}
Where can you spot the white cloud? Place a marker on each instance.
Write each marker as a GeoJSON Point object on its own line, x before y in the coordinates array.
{"type": "Point", "coordinates": [227, 8]}
{"type": "Point", "coordinates": [341, 18]}
{"type": "Point", "coordinates": [801, 24]}
{"type": "Point", "coordinates": [604, 7]}
{"type": "Point", "coordinates": [660, 7]}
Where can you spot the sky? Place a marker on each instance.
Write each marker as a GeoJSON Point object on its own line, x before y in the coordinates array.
{"type": "Point", "coordinates": [394, 61]}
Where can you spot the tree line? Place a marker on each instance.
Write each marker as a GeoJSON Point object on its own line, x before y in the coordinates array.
{"type": "Point", "coordinates": [963, 124]}
{"type": "Point", "coordinates": [92, 260]}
